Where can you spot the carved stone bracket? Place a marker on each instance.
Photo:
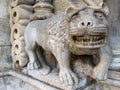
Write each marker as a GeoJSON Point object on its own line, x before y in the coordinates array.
{"type": "Point", "coordinates": [66, 46]}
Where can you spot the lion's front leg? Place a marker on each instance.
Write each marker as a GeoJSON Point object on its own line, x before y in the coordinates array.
{"type": "Point", "coordinates": [101, 70]}
{"type": "Point", "coordinates": [32, 65]}
{"type": "Point", "coordinates": [66, 75]}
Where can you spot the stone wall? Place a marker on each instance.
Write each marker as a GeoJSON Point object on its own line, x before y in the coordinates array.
{"type": "Point", "coordinates": [114, 23]}
{"type": "Point", "coordinates": [5, 45]}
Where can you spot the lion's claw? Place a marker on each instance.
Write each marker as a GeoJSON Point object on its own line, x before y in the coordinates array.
{"type": "Point", "coordinates": [68, 77]}
{"type": "Point", "coordinates": [32, 66]}
{"type": "Point", "coordinates": [46, 70]}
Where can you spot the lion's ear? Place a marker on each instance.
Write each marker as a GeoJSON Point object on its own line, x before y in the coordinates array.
{"type": "Point", "coordinates": [105, 9]}
{"type": "Point", "coordinates": [69, 12]}
{"type": "Point", "coordinates": [102, 7]}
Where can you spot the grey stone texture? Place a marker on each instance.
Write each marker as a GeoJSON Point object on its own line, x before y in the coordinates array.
{"type": "Point", "coordinates": [114, 23]}
{"type": "Point", "coordinates": [11, 83]}
{"type": "Point", "coordinates": [5, 45]}
{"type": "Point", "coordinates": [5, 58]}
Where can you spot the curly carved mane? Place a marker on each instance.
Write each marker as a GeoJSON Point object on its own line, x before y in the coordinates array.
{"type": "Point", "coordinates": [59, 32]}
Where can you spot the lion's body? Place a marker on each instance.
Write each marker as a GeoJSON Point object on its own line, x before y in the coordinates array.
{"type": "Point", "coordinates": [46, 33]}
{"type": "Point", "coordinates": [53, 36]}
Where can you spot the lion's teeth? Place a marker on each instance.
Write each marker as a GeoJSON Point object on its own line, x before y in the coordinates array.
{"type": "Point", "coordinates": [88, 43]}
{"type": "Point", "coordinates": [82, 42]}
{"type": "Point", "coordinates": [91, 42]}
{"type": "Point", "coordinates": [95, 38]}
{"type": "Point", "coordinates": [96, 42]}
{"type": "Point", "coordinates": [85, 43]}
{"type": "Point", "coordinates": [88, 37]}
{"type": "Point", "coordinates": [91, 39]}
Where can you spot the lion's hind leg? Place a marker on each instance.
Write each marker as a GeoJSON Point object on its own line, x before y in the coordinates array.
{"type": "Point", "coordinates": [45, 69]}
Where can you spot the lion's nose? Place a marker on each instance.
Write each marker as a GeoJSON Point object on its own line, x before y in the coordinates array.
{"type": "Point", "coordinates": [84, 24]}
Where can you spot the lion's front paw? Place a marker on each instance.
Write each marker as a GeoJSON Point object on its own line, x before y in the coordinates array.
{"type": "Point", "coordinates": [32, 66]}
{"type": "Point", "coordinates": [99, 74]}
{"type": "Point", "coordinates": [68, 77]}
{"type": "Point", "coordinates": [45, 70]}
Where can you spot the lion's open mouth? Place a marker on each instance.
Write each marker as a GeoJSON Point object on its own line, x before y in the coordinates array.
{"type": "Point", "coordinates": [89, 40]}
{"type": "Point", "coordinates": [94, 38]}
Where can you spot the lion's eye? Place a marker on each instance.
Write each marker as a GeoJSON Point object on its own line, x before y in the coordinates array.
{"type": "Point", "coordinates": [75, 15]}
{"type": "Point", "coordinates": [99, 15]}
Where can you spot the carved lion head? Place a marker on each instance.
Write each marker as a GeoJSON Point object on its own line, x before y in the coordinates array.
{"type": "Point", "coordinates": [88, 27]}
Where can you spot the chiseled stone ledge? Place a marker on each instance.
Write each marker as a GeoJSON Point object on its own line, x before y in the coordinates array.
{"type": "Point", "coordinates": [43, 82]}
{"type": "Point", "coordinates": [51, 79]}
{"type": "Point", "coordinates": [27, 79]}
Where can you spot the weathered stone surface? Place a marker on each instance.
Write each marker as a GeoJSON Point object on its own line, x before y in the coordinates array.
{"type": "Point", "coordinates": [114, 23]}
{"type": "Point", "coordinates": [5, 57]}
{"type": "Point", "coordinates": [11, 83]}
{"type": "Point", "coordinates": [5, 45]}
{"type": "Point", "coordinates": [4, 8]}
{"type": "Point", "coordinates": [2, 84]}
{"type": "Point", "coordinates": [4, 32]}
{"type": "Point", "coordinates": [114, 75]}
{"type": "Point", "coordinates": [109, 84]}
{"type": "Point", "coordinates": [15, 80]}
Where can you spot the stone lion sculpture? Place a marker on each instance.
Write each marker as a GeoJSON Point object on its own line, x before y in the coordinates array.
{"type": "Point", "coordinates": [78, 31]}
